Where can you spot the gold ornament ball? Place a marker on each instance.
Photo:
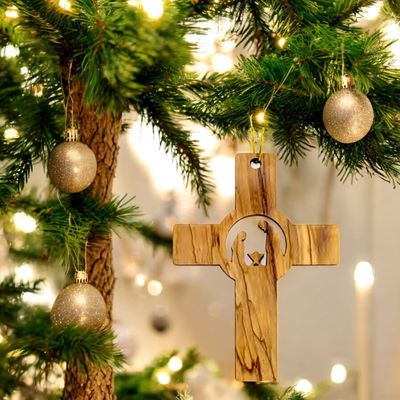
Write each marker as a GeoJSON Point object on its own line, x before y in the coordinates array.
{"type": "Point", "coordinates": [79, 304]}
{"type": "Point", "coordinates": [72, 167]}
{"type": "Point", "coordinates": [348, 115]}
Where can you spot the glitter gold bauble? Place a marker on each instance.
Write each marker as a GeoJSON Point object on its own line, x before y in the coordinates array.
{"type": "Point", "coordinates": [348, 115]}
{"type": "Point", "coordinates": [79, 304]}
{"type": "Point", "coordinates": [72, 167]}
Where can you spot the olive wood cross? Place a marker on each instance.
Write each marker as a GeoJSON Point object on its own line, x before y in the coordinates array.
{"type": "Point", "coordinates": [256, 284]}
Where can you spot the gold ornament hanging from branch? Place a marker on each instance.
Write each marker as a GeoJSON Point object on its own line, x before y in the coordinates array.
{"type": "Point", "coordinates": [348, 114]}
{"type": "Point", "coordinates": [79, 304]}
{"type": "Point", "coordinates": [256, 273]}
{"type": "Point", "coordinates": [72, 165]}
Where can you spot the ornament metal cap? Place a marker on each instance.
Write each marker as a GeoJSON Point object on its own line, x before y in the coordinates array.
{"type": "Point", "coordinates": [72, 135]}
{"type": "Point", "coordinates": [81, 277]}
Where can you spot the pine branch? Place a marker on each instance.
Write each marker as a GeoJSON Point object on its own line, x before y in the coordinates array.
{"type": "Point", "coordinates": [34, 335]}
{"type": "Point", "coordinates": [63, 30]}
{"type": "Point", "coordinates": [126, 47]}
{"type": "Point", "coordinates": [296, 108]}
{"type": "Point", "coordinates": [7, 191]}
{"type": "Point", "coordinates": [9, 288]}
{"type": "Point", "coordinates": [65, 224]}
{"type": "Point", "coordinates": [37, 121]}
{"type": "Point", "coordinates": [345, 11]}
{"type": "Point", "coordinates": [262, 391]}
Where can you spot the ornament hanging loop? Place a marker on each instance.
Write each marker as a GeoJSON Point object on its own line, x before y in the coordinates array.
{"type": "Point", "coordinates": [261, 118]}
{"type": "Point", "coordinates": [72, 135]}
{"type": "Point", "coordinates": [81, 277]}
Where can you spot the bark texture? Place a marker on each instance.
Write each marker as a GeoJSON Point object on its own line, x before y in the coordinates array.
{"type": "Point", "coordinates": [100, 131]}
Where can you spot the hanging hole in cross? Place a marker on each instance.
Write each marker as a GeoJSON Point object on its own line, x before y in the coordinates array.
{"type": "Point", "coordinates": [255, 163]}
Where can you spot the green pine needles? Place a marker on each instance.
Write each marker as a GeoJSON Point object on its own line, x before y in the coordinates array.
{"type": "Point", "coordinates": [127, 61]}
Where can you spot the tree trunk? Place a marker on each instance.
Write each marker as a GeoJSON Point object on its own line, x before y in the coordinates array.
{"type": "Point", "coordinates": [100, 131]}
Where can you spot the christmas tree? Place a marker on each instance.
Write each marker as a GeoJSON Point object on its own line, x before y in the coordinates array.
{"type": "Point", "coordinates": [73, 68]}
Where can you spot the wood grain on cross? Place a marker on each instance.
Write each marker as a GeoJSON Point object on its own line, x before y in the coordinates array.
{"type": "Point", "coordinates": [256, 284]}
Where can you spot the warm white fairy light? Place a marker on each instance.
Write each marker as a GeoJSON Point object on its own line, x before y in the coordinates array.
{"type": "Point", "coordinates": [260, 117]}
{"type": "Point", "coordinates": [372, 12]}
{"type": "Point", "coordinates": [154, 288]}
{"type": "Point", "coordinates": [163, 377]}
{"type": "Point", "coordinates": [304, 386]}
{"type": "Point", "coordinates": [24, 273]}
{"type": "Point", "coordinates": [65, 4]}
{"type": "Point", "coordinates": [338, 374]}
{"type": "Point", "coordinates": [175, 364]}
{"type": "Point", "coordinates": [11, 134]}
{"type": "Point", "coordinates": [24, 70]}
{"type": "Point", "coordinates": [140, 280]}
{"type": "Point", "coordinates": [11, 12]}
{"type": "Point", "coordinates": [24, 222]}
{"type": "Point", "coordinates": [364, 275]}
{"type": "Point", "coordinates": [221, 62]}
{"type": "Point", "coordinates": [153, 8]}
{"type": "Point", "coordinates": [281, 42]}
{"type": "Point", "coordinates": [9, 51]}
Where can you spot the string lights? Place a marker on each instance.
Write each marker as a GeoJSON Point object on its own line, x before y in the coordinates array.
{"type": "Point", "coordinates": [10, 134]}
{"type": "Point", "coordinates": [65, 4]}
{"type": "Point", "coordinates": [24, 222]}
{"type": "Point", "coordinates": [154, 9]}
{"type": "Point", "coordinates": [11, 12]}
{"type": "Point", "coordinates": [304, 386]}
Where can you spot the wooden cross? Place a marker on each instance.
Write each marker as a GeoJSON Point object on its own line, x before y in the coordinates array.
{"type": "Point", "coordinates": [256, 284]}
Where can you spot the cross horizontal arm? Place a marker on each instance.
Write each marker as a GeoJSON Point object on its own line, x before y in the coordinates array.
{"type": "Point", "coordinates": [197, 245]}
{"type": "Point", "coordinates": [314, 244]}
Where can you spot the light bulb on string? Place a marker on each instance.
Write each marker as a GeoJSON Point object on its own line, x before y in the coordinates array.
{"type": "Point", "coordinates": [140, 280]}
{"type": "Point", "coordinates": [260, 117]}
{"type": "Point", "coordinates": [338, 374]}
{"type": "Point", "coordinates": [163, 377]}
{"type": "Point", "coordinates": [9, 51]}
{"type": "Point", "coordinates": [175, 364]}
{"type": "Point", "coordinates": [281, 42]}
{"type": "Point", "coordinates": [10, 134]}
{"type": "Point", "coordinates": [304, 386]}
{"type": "Point", "coordinates": [364, 275]}
{"type": "Point", "coordinates": [65, 4]}
{"type": "Point", "coordinates": [11, 12]}
{"type": "Point", "coordinates": [24, 222]}
{"type": "Point", "coordinates": [154, 288]}
{"type": "Point", "coordinates": [154, 9]}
